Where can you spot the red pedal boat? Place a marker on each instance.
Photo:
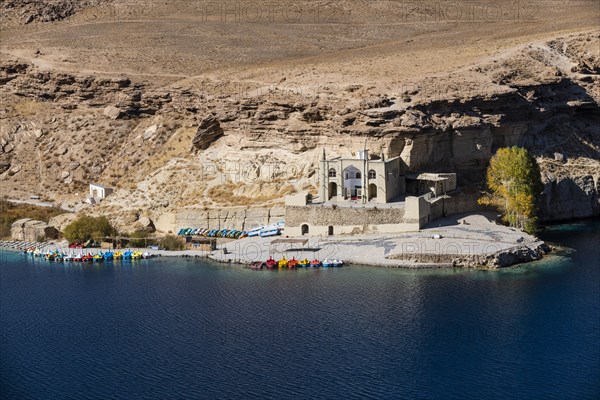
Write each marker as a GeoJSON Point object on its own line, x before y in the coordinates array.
{"type": "Point", "coordinates": [271, 263]}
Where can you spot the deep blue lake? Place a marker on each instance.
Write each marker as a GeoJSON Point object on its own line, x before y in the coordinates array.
{"type": "Point", "coordinates": [182, 328]}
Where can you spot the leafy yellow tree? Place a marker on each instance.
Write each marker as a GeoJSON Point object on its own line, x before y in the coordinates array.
{"type": "Point", "coordinates": [514, 183]}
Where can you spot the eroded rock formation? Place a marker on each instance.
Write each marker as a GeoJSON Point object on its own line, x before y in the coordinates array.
{"type": "Point", "coordinates": [188, 146]}
{"type": "Point", "coordinates": [208, 132]}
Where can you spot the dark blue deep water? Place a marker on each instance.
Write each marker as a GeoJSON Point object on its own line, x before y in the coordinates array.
{"type": "Point", "coordinates": [177, 328]}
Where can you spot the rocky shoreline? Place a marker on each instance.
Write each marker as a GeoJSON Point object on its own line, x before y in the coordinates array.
{"type": "Point", "coordinates": [465, 241]}
{"type": "Point", "coordinates": [501, 259]}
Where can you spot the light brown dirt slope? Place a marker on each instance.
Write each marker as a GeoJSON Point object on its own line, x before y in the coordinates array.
{"type": "Point", "coordinates": [440, 83]}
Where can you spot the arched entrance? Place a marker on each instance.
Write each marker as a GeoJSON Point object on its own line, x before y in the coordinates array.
{"type": "Point", "coordinates": [304, 229]}
{"type": "Point", "coordinates": [330, 230]}
{"type": "Point", "coordinates": [332, 190]}
{"type": "Point", "coordinates": [352, 182]}
{"type": "Point", "coordinates": [372, 191]}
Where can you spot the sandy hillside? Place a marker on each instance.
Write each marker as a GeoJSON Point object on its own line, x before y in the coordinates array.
{"type": "Point", "coordinates": [209, 105]}
{"type": "Point", "coordinates": [305, 42]}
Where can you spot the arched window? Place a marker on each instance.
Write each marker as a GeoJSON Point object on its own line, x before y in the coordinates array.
{"type": "Point", "coordinates": [332, 173]}
{"type": "Point", "coordinates": [304, 229]}
{"type": "Point", "coordinates": [372, 174]}
{"type": "Point", "coordinates": [358, 175]}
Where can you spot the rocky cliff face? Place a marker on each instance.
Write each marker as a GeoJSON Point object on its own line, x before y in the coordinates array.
{"type": "Point", "coordinates": [200, 145]}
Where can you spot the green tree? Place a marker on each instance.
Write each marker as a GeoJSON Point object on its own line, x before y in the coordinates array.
{"type": "Point", "coordinates": [514, 183]}
{"type": "Point", "coordinates": [85, 228]}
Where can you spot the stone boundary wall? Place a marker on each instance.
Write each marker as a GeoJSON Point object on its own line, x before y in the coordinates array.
{"type": "Point", "coordinates": [346, 220]}
{"type": "Point", "coordinates": [458, 203]}
{"type": "Point", "coordinates": [332, 215]}
{"type": "Point", "coordinates": [233, 218]}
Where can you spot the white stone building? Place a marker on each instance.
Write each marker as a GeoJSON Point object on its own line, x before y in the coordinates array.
{"type": "Point", "coordinates": [98, 192]}
{"type": "Point", "coordinates": [361, 179]}
{"type": "Point", "coordinates": [362, 195]}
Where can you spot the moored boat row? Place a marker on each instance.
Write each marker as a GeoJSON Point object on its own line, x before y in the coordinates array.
{"type": "Point", "coordinates": [293, 263]}
{"type": "Point", "coordinates": [224, 233]}
{"type": "Point", "coordinates": [56, 255]}
{"type": "Point", "coordinates": [267, 231]}
{"type": "Point", "coordinates": [262, 231]}
{"type": "Point", "coordinates": [18, 245]}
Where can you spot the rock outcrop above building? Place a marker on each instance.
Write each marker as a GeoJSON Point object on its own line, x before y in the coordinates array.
{"type": "Point", "coordinates": [208, 132]}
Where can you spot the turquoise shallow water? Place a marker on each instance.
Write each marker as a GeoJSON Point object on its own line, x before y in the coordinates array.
{"type": "Point", "coordinates": [181, 328]}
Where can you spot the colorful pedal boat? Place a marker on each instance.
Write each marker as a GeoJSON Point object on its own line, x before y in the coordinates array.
{"type": "Point", "coordinates": [332, 263]}
{"type": "Point", "coordinates": [257, 265]}
{"type": "Point", "coordinates": [283, 263]}
{"type": "Point", "coordinates": [271, 263]}
{"type": "Point", "coordinates": [304, 263]}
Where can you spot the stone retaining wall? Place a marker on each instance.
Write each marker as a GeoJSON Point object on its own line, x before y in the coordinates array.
{"type": "Point", "coordinates": [346, 220]}
{"type": "Point", "coordinates": [241, 218]}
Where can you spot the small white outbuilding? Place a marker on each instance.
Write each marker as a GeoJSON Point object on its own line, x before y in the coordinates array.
{"type": "Point", "coordinates": [98, 192]}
